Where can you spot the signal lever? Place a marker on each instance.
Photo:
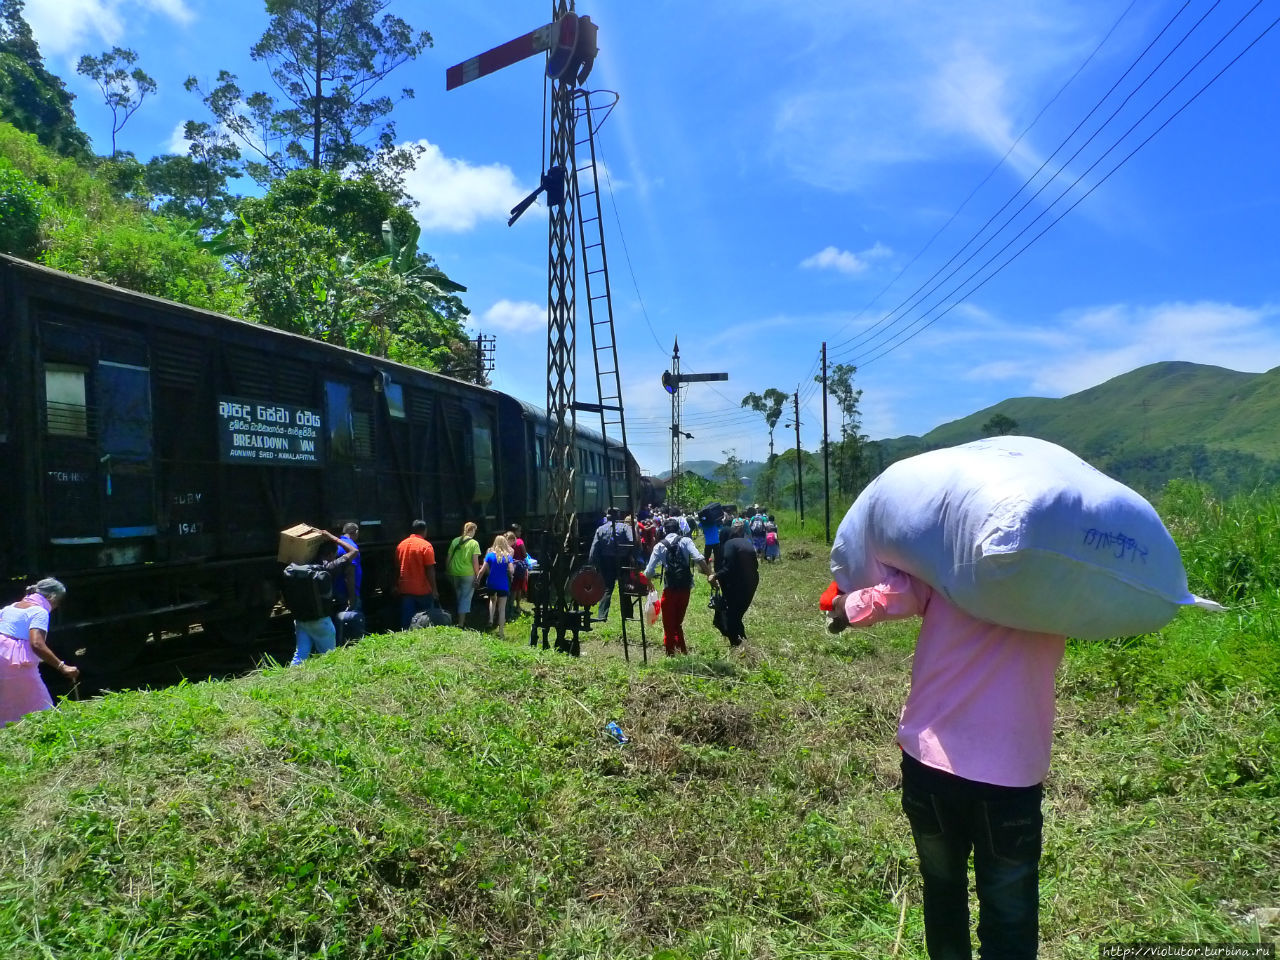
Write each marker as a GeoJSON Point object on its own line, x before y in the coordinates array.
{"type": "Point", "coordinates": [552, 183]}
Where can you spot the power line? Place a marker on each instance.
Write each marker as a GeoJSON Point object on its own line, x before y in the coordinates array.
{"type": "Point", "coordinates": [893, 346]}
{"type": "Point", "coordinates": [990, 173]}
{"type": "Point", "coordinates": [912, 300]}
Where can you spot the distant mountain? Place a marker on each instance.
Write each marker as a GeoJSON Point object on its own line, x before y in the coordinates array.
{"type": "Point", "coordinates": [707, 468]}
{"type": "Point", "coordinates": [1146, 427]}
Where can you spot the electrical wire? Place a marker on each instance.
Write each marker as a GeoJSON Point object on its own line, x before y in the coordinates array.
{"type": "Point", "coordinates": [846, 346]}
{"type": "Point", "coordinates": [990, 173]}
{"type": "Point", "coordinates": [921, 328]}
{"type": "Point", "coordinates": [1061, 168]}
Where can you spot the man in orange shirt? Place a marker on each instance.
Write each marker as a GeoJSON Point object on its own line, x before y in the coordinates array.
{"type": "Point", "coordinates": [416, 559]}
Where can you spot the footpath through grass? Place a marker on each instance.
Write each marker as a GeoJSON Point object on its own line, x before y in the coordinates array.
{"type": "Point", "coordinates": [444, 794]}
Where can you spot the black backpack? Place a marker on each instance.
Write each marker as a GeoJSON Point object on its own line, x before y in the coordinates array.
{"type": "Point", "coordinates": [679, 573]}
{"type": "Point", "coordinates": [617, 542]}
{"type": "Point", "coordinates": [307, 590]}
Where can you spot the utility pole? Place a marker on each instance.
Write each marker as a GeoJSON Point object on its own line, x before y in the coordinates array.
{"type": "Point", "coordinates": [799, 473]}
{"type": "Point", "coordinates": [485, 349]}
{"type": "Point", "coordinates": [826, 448]}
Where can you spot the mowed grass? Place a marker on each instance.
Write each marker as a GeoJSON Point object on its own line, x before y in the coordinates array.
{"type": "Point", "coordinates": [445, 794]}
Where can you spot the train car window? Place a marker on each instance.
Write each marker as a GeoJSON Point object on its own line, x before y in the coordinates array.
{"type": "Point", "coordinates": [362, 435]}
{"type": "Point", "coordinates": [66, 409]}
{"type": "Point", "coordinates": [337, 398]}
{"type": "Point", "coordinates": [539, 452]}
{"type": "Point", "coordinates": [482, 458]}
{"type": "Point", "coordinates": [395, 400]}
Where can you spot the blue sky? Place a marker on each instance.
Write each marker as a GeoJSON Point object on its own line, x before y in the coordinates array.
{"type": "Point", "coordinates": [787, 173]}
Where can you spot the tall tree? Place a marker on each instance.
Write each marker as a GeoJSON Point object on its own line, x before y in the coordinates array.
{"type": "Point", "coordinates": [729, 476]}
{"type": "Point", "coordinates": [770, 404]}
{"type": "Point", "coordinates": [328, 59]}
{"type": "Point", "coordinates": [31, 98]}
{"type": "Point", "coordinates": [123, 89]}
{"type": "Point", "coordinates": [194, 186]}
{"type": "Point", "coordinates": [319, 255]}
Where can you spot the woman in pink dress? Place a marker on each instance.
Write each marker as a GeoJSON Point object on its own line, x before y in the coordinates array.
{"type": "Point", "coordinates": [24, 630]}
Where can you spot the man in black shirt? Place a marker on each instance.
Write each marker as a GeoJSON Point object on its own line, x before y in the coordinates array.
{"type": "Point", "coordinates": [737, 576]}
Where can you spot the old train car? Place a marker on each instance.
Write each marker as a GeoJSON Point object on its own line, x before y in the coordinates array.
{"type": "Point", "coordinates": [154, 451]}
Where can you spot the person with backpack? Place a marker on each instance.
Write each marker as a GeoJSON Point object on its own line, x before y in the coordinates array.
{"type": "Point", "coordinates": [772, 548]}
{"type": "Point", "coordinates": [308, 593]}
{"type": "Point", "coordinates": [463, 564]}
{"type": "Point", "coordinates": [709, 520]}
{"type": "Point", "coordinates": [757, 530]}
{"type": "Point", "coordinates": [678, 555]}
{"type": "Point", "coordinates": [611, 547]}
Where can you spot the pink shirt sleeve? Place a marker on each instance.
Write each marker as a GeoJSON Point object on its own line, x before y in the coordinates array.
{"type": "Point", "coordinates": [900, 596]}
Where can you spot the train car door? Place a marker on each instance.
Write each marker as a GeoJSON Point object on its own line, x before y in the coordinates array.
{"type": "Point", "coordinates": [126, 453]}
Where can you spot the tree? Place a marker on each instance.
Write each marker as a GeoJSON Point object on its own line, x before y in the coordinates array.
{"type": "Point", "coordinates": [31, 98]}
{"type": "Point", "coordinates": [770, 404]}
{"type": "Point", "coordinates": [194, 186]}
{"type": "Point", "coordinates": [999, 425]}
{"type": "Point", "coordinates": [123, 90]}
{"type": "Point", "coordinates": [729, 476]}
{"type": "Point", "coordinates": [850, 465]}
{"type": "Point", "coordinates": [327, 59]}
{"type": "Point", "coordinates": [336, 258]}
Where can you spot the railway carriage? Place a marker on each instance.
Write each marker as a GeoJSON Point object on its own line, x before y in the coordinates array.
{"type": "Point", "coordinates": [153, 451]}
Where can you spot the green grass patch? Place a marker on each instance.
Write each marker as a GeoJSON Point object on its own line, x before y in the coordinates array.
{"type": "Point", "coordinates": [445, 794]}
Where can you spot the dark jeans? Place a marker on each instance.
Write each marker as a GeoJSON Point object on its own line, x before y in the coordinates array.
{"type": "Point", "coordinates": [1002, 826]}
{"type": "Point", "coordinates": [411, 603]}
{"type": "Point", "coordinates": [736, 601]}
{"type": "Point", "coordinates": [609, 573]}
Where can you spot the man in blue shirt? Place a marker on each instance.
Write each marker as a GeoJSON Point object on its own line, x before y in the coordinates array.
{"type": "Point", "coordinates": [347, 589]}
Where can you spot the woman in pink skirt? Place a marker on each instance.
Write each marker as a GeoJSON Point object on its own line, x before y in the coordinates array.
{"type": "Point", "coordinates": [24, 629]}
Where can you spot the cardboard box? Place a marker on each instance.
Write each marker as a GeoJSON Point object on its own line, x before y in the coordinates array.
{"type": "Point", "coordinates": [299, 544]}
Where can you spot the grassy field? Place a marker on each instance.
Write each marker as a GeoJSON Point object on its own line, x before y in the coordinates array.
{"type": "Point", "coordinates": [444, 794]}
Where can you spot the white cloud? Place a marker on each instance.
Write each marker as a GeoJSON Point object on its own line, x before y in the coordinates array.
{"type": "Point", "coordinates": [843, 261]}
{"type": "Point", "coordinates": [515, 316]}
{"type": "Point", "coordinates": [454, 195]}
{"type": "Point", "coordinates": [1082, 348]}
{"type": "Point", "coordinates": [71, 27]}
{"type": "Point", "coordinates": [178, 143]}
{"type": "Point", "coordinates": [930, 79]}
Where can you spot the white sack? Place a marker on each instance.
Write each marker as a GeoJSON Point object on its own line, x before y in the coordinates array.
{"type": "Point", "coordinates": [1020, 532]}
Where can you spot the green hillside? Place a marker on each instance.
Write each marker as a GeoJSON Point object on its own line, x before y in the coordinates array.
{"type": "Point", "coordinates": [1148, 426]}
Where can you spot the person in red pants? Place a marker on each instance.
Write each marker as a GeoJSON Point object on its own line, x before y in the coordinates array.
{"type": "Point", "coordinates": [678, 556]}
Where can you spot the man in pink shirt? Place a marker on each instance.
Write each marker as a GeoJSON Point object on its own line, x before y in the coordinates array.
{"type": "Point", "coordinates": [976, 733]}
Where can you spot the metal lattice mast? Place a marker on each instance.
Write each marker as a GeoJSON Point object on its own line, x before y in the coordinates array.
{"type": "Point", "coordinates": [561, 331]}
{"type": "Point", "coordinates": [675, 413]}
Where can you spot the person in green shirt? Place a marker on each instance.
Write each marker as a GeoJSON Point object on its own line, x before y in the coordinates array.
{"type": "Point", "coordinates": [463, 566]}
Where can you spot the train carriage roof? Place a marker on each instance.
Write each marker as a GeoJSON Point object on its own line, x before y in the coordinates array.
{"type": "Point", "coordinates": [287, 338]}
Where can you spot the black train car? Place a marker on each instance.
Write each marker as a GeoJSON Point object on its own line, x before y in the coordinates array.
{"type": "Point", "coordinates": [153, 451]}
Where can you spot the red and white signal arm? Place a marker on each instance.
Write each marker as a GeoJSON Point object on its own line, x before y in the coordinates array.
{"type": "Point", "coordinates": [560, 59]}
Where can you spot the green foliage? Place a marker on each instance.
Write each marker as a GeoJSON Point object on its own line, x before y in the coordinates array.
{"type": "Point", "coordinates": [123, 89]}
{"type": "Point", "coordinates": [444, 794]}
{"type": "Point", "coordinates": [690, 491]}
{"type": "Point", "coordinates": [194, 187]}
{"type": "Point", "coordinates": [86, 229]}
{"type": "Point", "coordinates": [729, 478]}
{"type": "Point", "coordinates": [31, 98]}
{"type": "Point", "coordinates": [318, 255]}
{"type": "Point", "coordinates": [999, 425]}
{"type": "Point", "coordinates": [21, 206]}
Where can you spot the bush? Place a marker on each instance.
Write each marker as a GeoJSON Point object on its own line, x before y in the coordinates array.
{"type": "Point", "coordinates": [21, 208]}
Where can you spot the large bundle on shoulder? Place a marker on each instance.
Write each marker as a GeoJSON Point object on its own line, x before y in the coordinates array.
{"type": "Point", "coordinates": [1020, 532]}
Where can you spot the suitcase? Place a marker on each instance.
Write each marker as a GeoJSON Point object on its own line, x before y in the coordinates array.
{"type": "Point", "coordinates": [350, 626]}
{"type": "Point", "coordinates": [433, 617]}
